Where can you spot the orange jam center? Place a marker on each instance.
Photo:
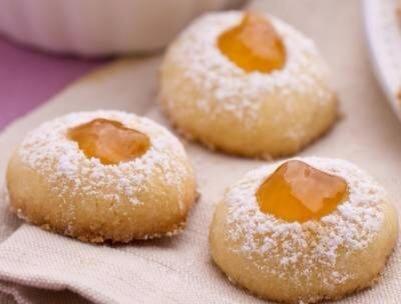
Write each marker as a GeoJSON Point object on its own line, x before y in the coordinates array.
{"type": "Point", "coordinates": [254, 45]}
{"type": "Point", "coordinates": [299, 192]}
{"type": "Point", "coordinates": [109, 141]}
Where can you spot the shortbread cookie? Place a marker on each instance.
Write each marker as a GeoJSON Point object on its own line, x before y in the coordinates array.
{"type": "Point", "coordinates": [101, 176]}
{"type": "Point", "coordinates": [247, 83]}
{"type": "Point", "coordinates": [307, 230]}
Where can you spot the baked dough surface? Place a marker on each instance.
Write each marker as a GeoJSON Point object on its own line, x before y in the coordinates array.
{"type": "Point", "coordinates": [210, 99]}
{"type": "Point", "coordinates": [321, 259]}
{"type": "Point", "coordinates": [53, 184]}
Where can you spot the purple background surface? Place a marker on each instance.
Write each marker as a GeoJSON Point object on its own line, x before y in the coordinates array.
{"type": "Point", "coordinates": [29, 78]}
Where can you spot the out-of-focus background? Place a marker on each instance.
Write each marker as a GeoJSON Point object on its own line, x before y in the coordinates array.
{"type": "Point", "coordinates": [46, 44]}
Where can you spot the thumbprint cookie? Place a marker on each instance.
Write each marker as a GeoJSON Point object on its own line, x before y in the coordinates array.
{"type": "Point", "coordinates": [102, 176]}
{"type": "Point", "coordinates": [303, 231]}
{"type": "Point", "coordinates": [248, 84]}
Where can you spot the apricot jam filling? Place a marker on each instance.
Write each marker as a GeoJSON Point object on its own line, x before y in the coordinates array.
{"type": "Point", "coordinates": [297, 192]}
{"type": "Point", "coordinates": [109, 141]}
{"type": "Point", "coordinates": [253, 45]}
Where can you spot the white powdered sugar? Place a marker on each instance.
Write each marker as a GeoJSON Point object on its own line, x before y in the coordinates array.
{"type": "Point", "coordinates": [226, 87]}
{"type": "Point", "coordinates": [352, 226]}
{"type": "Point", "coordinates": [48, 151]}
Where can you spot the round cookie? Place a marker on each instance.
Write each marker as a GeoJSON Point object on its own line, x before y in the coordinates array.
{"type": "Point", "coordinates": [327, 257]}
{"type": "Point", "coordinates": [102, 176]}
{"type": "Point", "coordinates": [209, 97]}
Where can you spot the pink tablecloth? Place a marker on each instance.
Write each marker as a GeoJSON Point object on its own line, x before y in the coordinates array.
{"type": "Point", "coordinates": [28, 78]}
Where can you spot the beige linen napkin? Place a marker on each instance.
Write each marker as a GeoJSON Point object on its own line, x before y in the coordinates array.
{"type": "Point", "coordinates": [41, 267]}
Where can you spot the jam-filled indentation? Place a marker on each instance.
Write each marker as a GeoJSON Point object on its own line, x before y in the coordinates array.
{"type": "Point", "coordinates": [253, 45]}
{"type": "Point", "coordinates": [109, 141]}
{"type": "Point", "coordinates": [298, 192]}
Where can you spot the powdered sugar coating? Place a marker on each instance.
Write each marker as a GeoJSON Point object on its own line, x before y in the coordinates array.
{"type": "Point", "coordinates": [313, 244]}
{"type": "Point", "coordinates": [235, 91]}
{"type": "Point", "coordinates": [48, 151]}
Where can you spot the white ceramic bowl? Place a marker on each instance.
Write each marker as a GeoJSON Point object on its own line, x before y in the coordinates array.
{"type": "Point", "coordinates": [383, 30]}
{"type": "Point", "coordinates": [100, 27]}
